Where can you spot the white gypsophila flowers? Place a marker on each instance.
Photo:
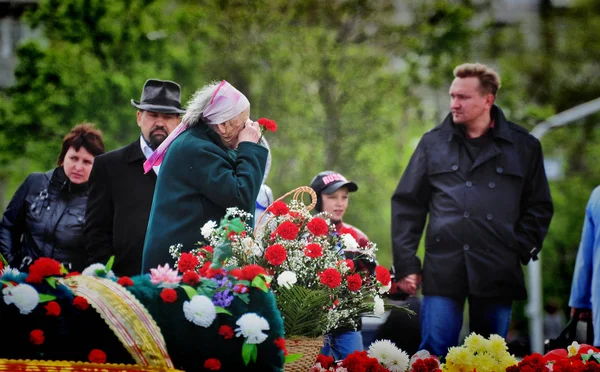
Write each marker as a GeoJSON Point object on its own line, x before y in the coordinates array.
{"type": "Point", "coordinates": [287, 279]}
{"type": "Point", "coordinates": [350, 244]}
{"type": "Point", "coordinates": [200, 310]}
{"type": "Point", "coordinates": [208, 229]}
{"type": "Point", "coordinates": [24, 296]}
{"type": "Point", "coordinates": [91, 271]}
{"type": "Point", "coordinates": [378, 308]}
{"type": "Point", "coordinates": [389, 355]}
{"type": "Point", "coordinates": [251, 327]}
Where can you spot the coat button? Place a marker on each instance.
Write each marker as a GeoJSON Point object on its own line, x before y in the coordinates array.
{"type": "Point", "coordinates": [489, 216]}
{"type": "Point", "coordinates": [454, 167]}
{"type": "Point", "coordinates": [499, 169]}
{"type": "Point", "coordinates": [467, 214]}
{"type": "Point", "coordinates": [466, 247]}
{"type": "Point", "coordinates": [469, 183]}
{"type": "Point", "coordinates": [437, 238]}
{"type": "Point", "coordinates": [492, 185]}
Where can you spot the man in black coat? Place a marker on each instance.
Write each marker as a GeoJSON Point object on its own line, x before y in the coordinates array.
{"type": "Point", "coordinates": [120, 196]}
{"type": "Point", "coordinates": [481, 180]}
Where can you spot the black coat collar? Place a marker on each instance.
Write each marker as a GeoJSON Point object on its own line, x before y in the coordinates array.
{"type": "Point", "coordinates": [501, 128]}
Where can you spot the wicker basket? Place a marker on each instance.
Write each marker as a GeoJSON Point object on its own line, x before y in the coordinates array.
{"type": "Point", "coordinates": [308, 347]}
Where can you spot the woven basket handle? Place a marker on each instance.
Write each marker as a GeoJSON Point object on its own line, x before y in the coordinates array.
{"type": "Point", "coordinates": [298, 195]}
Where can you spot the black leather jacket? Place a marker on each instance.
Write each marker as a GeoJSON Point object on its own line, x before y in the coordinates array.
{"type": "Point", "coordinates": [45, 218]}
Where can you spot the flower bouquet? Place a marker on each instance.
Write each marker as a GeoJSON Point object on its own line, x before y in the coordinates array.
{"type": "Point", "coordinates": [316, 287]}
{"type": "Point", "coordinates": [479, 354]}
{"type": "Point", "coordinates": [383, 355]}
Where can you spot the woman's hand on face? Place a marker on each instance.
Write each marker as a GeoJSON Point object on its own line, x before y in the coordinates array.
{"type": "Point", "coordinates": [250, 133]}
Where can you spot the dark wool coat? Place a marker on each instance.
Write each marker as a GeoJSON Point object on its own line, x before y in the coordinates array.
{"type": "Point", "coordinates": [45, 218]}
{"type": "Point", "coordinates": [486, 216]}
{"type": "Point", "coordinates": [118, 208]}
{"type": "Point", "coordinates": [199, 179]}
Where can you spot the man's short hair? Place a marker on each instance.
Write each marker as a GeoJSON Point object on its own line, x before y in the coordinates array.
{"type": "Point", "coordinates": [489, 80]}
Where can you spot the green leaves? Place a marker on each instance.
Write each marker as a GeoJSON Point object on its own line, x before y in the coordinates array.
{"type": "Point", "coordinates": [110, 263]}
{"type": "Point", "coordinates": [46, 297]}
{"type": "Point", "coordinates": [292, 358]}
{"type": "Point", "coordinates": [302, 310]}
{"type": "Point", "coordinates": [249, 352]}
{"type": "Point", "coordinates": [191, 292]}
{"type": "Point", "coordinates": [259, 282]}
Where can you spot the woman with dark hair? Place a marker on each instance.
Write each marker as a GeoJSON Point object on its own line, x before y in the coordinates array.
{"type": "Point", "coordinates": [46, 215]}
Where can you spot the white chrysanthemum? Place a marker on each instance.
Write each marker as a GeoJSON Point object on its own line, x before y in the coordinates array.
{"type": "Point", "coordinates": [251, 327]}
{"type": "Point", "coordinates": [200, 310]}
{"type": "Point", "coordinates": [389, 355]}
{"type": "Point", "coordinates": [350, 244]}
{"type": "Point", "coordinates": [287, 279]}
{"type": "Point", "coordinates": [208, 229]}
{"type": "Point", "coordinates": [378, 309]}
{"type": "Point", "coordinates": [91, 271]}
{"type": "Point", "coordinates": [24, 296]}
{"type": "Point", "coordinates": [251, 248]}
{"type": "Point", "coordinates": [9, 271]}
{"type": "Point", "coordinates": [385, 288]}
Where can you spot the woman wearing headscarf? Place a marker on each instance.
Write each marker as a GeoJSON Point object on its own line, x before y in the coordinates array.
{"type": "Point", "coordinates": [213, 162]}
{"type": "Point", "coordinates": [46, 215]}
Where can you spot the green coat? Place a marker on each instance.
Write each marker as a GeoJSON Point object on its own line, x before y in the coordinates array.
{"type": "Point", "coordinates": [199, 179]}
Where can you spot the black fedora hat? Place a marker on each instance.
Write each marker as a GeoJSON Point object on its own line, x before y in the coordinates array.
{"type": "Point", "coordinates": [162, 96]}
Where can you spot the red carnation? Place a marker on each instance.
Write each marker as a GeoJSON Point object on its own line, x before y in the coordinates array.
{"type": "Point", "coordinates": [36, 337]}
{"type": "Point", "coordinates": [232, 236]}
{"type": "Point", "coordinates": [360, 361]}
{"type": "Point", "coordinates": [52, 308]}
{"type": "Point", "coordinates": [212, 364]}
{"type": "Point", "coordinates": [287, 230]}
{"type": "Point", "coordinates": [97, 356]}
{"type": "Point", "coordinates": [276, 254]}
{"type": "Point", "coordinates": [191, 278]}
{"type": "Point", "coordinates": [318, 226]}
{"type": "Point", "coordinates": [326, 361]}
{"type": "Point", "coordinates": [207, 272]}
{"type": "Point", "coordinates": [226, 331]}
{"type": "Point", "coordinates": [280, 343]}
{"type": "Point", "coordinates": [80, 303]}
{"type": "Point", "coordinates": [125, 281]}
{"type": "Point", "coordinates": [168, 295]}
{"type": "Point", "coordinates": [354, 282]}
{"type": "Point", "coordinates": [349, 263]}
{"type": "Point", "coordinates": [268, 124]}
{"type": "Point", "coordinates": [41, 268]}
{"type": "Point", "coordinates": [249, 272]}
{"type": "Point", "coordinates": [279, 208]}
{"type": "Point", "coordinates": [313, 250]}
{"type": "Point", "coordinates": [383, 275]}
{"type": "Point", "coordinates": [349, 230]}
{"type": "Point", "coordinates": [72, 273]}
{"type": "Point", "coordinates": [331, 278]}
{"type": "Point", "coordinates": [187, 261]}
{"type": "Point", "coordinates": [208, 248]}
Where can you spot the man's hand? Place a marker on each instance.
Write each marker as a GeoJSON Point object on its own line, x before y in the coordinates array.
{"type": "Point", "coordinates": [409, 284]}
{"type": "Point", "coordinates": [584, 315]}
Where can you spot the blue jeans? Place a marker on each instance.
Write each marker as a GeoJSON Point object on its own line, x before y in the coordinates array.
{"type": "Point", "coordinates": [442, 318]}
{"type": "Point", "coordinates": [340, 345]}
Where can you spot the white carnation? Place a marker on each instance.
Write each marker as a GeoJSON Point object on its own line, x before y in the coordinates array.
{"type": "Point", "coordinates": [24, 296]}
{"type": "Point", "coordinates": [208, 229]}
{"type": "Point", "coordinates": [350, 244]}
{"type": "Point", "coordinates": [389, 355]}
{"type": "Point", "coordinates": [251, 327]}
{"type": "Point", "coordinates": [200, 310]}
{"type": "Point", "coordinates": [385, 288]}
{"type": "Point", "coordinates": [287, 279]}
{"type": "Point", "coordinates": [378, 309]}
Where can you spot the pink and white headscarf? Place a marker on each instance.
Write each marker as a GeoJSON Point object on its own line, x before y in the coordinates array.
{"type": "Point", "coordinates": [225, 104]}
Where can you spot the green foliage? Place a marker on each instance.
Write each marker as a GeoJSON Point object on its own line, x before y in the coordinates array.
{"type": "Point", "coordinates": [301, 310]}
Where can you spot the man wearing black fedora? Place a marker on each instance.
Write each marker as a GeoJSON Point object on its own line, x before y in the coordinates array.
{"type": "Point", "coordinates": [120, 196]}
